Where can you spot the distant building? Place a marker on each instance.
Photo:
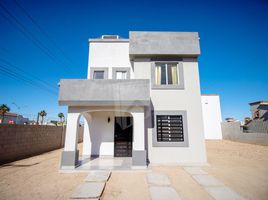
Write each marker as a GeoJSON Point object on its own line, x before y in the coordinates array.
{"type": "Point", "coordinates": [13, 118]}
{"type": "Point", "coordinates": [259, 114]}
{"type": "Point", "coordinates": [259, 110]}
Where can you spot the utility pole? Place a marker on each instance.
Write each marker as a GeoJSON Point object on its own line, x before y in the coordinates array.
{"type": "Point", "coordinates": [37, 120]}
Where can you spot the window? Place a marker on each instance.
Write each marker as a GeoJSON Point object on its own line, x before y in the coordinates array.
{"type": "Point", "coordinates": [98, 75]}
{"type": "Point", "coordinates": [169, 128]}
{"type": "Point", "coordinates": [166, 74]}
{"type": "Point", "coordinates": [121, 75]}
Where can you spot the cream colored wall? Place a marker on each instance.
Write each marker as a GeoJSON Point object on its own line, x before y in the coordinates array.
{"type": "Point", "coordinates": [109, 54]}
{"type": "Point", "coordinates": [188, 99]}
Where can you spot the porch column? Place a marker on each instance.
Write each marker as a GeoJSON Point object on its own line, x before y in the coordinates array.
{"type": "Point", "coordinates": [86, 136]}
{"type": "Point", "coordinates": [139, 152]}
{"type": "Point", "coordinates": [69, 157]}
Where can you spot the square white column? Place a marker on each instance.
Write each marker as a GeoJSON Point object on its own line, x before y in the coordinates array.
{"type": "Point", "coordinates": [86, 138]}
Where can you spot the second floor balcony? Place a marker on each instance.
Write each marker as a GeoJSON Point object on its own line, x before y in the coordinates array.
{"type": "Point", "coordinates": [87, 92]}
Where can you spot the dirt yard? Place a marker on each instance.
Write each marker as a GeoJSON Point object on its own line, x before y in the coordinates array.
{"type": "Point", "coordinates": [242, 167]}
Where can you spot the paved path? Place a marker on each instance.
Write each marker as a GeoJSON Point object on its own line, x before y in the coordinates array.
{"type": "Point", "coordinates": [213, 186]}
{"type": "Point", "coordinates": [160, 189]}
{"type": "Point", "coordinates": [93, 187]}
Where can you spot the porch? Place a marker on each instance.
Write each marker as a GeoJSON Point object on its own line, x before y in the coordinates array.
{"type": "Point", "coordinates": [109, 163]}
{"type": "Point", "coordinates": [114, 131]}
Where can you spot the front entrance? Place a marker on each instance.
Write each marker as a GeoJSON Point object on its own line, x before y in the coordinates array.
{"type": "Point", "coordinates": [123, 129]}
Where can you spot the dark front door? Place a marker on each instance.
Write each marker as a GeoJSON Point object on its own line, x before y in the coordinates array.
{"type": "Point", "coordinates": [123, 127]}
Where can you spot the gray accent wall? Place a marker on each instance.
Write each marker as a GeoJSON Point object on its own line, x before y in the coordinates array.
{"type": "Point", "coordinates": [83, 92]}
{"type": "Point", "coordinates": [163, 43]}
{"type": "Point", "coordinates": [139, 158]}
{"type": "Point", "coordinates": [69, 159]}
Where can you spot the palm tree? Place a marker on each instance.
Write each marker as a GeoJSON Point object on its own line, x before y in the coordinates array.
{"type": "Point", "coordinates": [42, 114]}
{"type": "Point", "coordinates": [3, 109]}
{"type": "Point", "coordinates": [61, 116]}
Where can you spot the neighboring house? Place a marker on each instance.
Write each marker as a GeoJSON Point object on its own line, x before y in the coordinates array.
{"type": "Point", "coordinates": [141, 100]}
{"type": "Point", "coordinates": [13, 118]}
{"type": "Point", "coordinates": [212, 116]}
{"type": "Point", "coordinates": [259, 114]}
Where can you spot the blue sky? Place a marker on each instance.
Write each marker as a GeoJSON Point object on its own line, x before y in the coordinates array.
{"type": "Point", "coordinates": [233, 39]}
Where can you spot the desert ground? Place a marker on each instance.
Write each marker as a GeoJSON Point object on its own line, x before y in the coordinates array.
{"type": "Point", "coordinates": [242, 167]}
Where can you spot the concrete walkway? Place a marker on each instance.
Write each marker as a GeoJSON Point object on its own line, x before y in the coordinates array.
{"type": "Point", "coordinates": [160, 189]}
{"type": "Point", "coordinates": [93, 187]}
{"type": "Point", "coordinates": [213, 186]}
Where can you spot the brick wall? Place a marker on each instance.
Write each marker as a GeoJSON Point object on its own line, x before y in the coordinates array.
{"type": "Point", "coordinates": [22, 141]}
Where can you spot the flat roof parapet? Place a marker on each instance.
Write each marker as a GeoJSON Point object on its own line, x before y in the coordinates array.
{"type": "Point", "coordinates": [164, 43]}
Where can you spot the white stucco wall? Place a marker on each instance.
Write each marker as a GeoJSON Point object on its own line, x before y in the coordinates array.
{"type": "Point", "coordinates": [212, 116]}
{"type": "Point", "coordinates": [188, 99]}
{"type": "Point", "coordinates": [101, 133]}
{"type": "Point", "coordinates": [109, 54]}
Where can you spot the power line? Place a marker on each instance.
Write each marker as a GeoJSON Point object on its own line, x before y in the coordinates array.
{"type": "Point", "coordinates": [19, 77]}
{"type": "Point", "coordinates": [42, 30]}
{"type": "Point", "coordinates": [29, 74]}
{"type": "Point", "coordinates": [28, 34]}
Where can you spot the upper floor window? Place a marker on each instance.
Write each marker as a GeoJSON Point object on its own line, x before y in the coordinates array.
{"type": "Point", "coordinates": [98, 72]}
{"type": "Point", "coordinates": [98, 75]}
{"type": "Point", "coordinates": [121, 75]}
{"type": "Point", "coordinates": [167, 75]}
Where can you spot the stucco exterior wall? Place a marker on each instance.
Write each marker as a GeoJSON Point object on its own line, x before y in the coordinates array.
{"type": "Point", "coordinates": [109, 54]}
{"type": "Point", "coordinates": [212, 117]}
{"type": "Point", "coordinates": [187, 99]}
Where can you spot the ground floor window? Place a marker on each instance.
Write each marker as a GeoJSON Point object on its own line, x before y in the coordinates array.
{"type": "Point", "coordinates": [169, 128]}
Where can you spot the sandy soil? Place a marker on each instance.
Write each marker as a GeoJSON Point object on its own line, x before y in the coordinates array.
{"type": "Point", "coordinates": [242, 167]}
{"type": "Point", "coordinates": [183, 183]}
{"type": "Point", "coordinates": [37, 178]}
{"type": "Point", "coordinates": [126, 185]}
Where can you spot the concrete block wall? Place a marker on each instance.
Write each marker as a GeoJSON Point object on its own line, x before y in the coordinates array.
{"type": "Point", "coordinates": [22, 141]}
{"type": "Point", "coordinates": [233, 131]}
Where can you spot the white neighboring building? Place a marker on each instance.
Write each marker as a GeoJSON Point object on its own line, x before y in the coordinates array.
{"type": "Point", "coordinates": [212, 116]}
{"type": "Point", "coordinates": [141, 100]}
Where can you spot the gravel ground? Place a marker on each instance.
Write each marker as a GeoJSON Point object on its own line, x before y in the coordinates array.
{"type": "Point", "coordinates": [242, 167]}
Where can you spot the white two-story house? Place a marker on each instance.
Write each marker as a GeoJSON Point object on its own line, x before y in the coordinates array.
{"type": "Point", "coordinates": [141, 100]}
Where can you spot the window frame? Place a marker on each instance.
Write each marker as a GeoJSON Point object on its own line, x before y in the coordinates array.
{"type": "Point", "coordinates": [180, 76]}
{"type": "Point", "coordinates": [184, 143]}
{"type": "Point", "coordinates": [120, 69]}
{"type": "Point", "coordinates": [94, 69]}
